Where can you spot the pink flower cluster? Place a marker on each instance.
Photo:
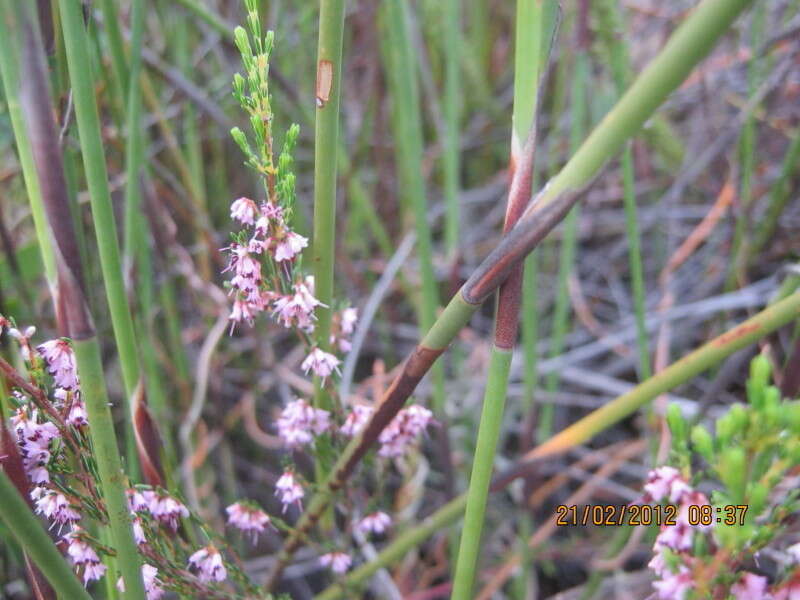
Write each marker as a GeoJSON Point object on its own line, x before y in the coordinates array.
{"type": "Point", "coordinates": [403, 430]}
{"type": "Point", "coordinates": [152, 585]}
{"type": "Point", "coordinates": [666, 483]}
{"type": "Point", "coordinates": [270, 236]}
{"type": "Point", "coordinates": [60, 360]}
{"type": "Point", "coordinates": [300, 421]}
{"type": "Point", "coordinates": [207, 563]}
{"type": "Point", "coordinates": [289, 490]}
{"type": "Point", "coordinates": [160, 505]}
{"type": "Point", "coordinates": [338, 562]}
{"type": "Point", "coordinates": [33, 440]}
{"type": "Point", "coordinates": [83, 556]}
{"type": "Point", "coordinates": [356, 420]}
{"type": "Point", "coordinates": [321, 362]}
{"type": "Point", "coordinates": [377, 522]}
{"type": "Point", "coordinates": [247, 519]}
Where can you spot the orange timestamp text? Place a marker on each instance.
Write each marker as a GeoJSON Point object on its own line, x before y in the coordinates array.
{"type": "Point", "coordinates": [571, 515]}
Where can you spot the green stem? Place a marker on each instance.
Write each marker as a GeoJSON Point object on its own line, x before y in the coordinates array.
{"type": "Point", "coordinates": [100, 197]}
{"type": "Point", "coordinates": [106, 453]}
{"type": "Point", "coordinates": [488, 434]}
{"type": "Point", "coordinates": [329, 77]}
{"type": "Point", "coordinates": [32, 537]}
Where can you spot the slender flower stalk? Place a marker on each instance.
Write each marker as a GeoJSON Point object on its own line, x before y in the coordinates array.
{"type": "Point", "coordinates": [326, 132]}
{"type": "Point", "coordinates": [709, 354]}
{"type": "Point", "coordinates": [688, 45]}
{"type": "Point", "coordinates": [30, 535]}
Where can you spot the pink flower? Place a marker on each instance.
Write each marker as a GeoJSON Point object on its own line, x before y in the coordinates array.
{"type": "Point", "coordinates": [55, 506]}
{"type": "Point", "coordinates": [794, 553]}
{"type": "Point", "coordinates": [338, 562]}
{"type": "Point", "coordinates": [296, 309]}
{"type": "Point", "coordinates": [78, 549]}
{"type": "Point", "coordinates": [355, 421]}
{"type": "Point", "coordinates": [403, 429]}
{"type": "Point", "coordinates": [165, 508]}
{"type": "Point", "coordinates": [288, 489]}
{"type": "Point", "coordinates": [321, 362]}
{"type": "Point", "coordinates": [299, 420]}
{"type": "Point", "coordinates": [677, 537]}
{"type": "Point", "coordinates": [33, 440]}
{"type": "Point", "coordinates": [291, 245]}
{"type": "Point", "coordinates": [241, 311]}
{"type": "Point", "coordinates": [377, 522]}
{"type": "Point", "coordinates": [247, 518]}
{"type": "Point", "coordinates": [152, 586]}
{"type": "Point", "coordinates": [60, 361]}
{"type": "Point", "coordinates": [136, 500]}
{"type": "Point", "coordinates": [666, 482]}
{"type": "Point", "coordinates": [208, 563]}
{"type": "Point", "coordinates": [750, 587]}
{"type": "Point", "coordinates": [77, 416]}
{"type": "Point", "coordinates": [93, 572]}
{"type": "Point", "coordinates": [348, 320]}
{"type": "Point", "coordinates": [674, 586]}
{"type": "Point", "coordinates": [244, 210]}
{"type": "Point", "coordinates": [138, 531]}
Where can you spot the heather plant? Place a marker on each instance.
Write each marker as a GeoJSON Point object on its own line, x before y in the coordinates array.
{"type": "Point", "coordinates": [735, 496]}
{"type": "Point", "coordinates": [334, 487]}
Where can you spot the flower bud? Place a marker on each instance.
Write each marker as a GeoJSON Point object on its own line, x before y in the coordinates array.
{"type": "Point", "coordinates": [732, 469]}
{"type": "Point", "coordinates": [677, 424]}
{"type": "Point", "coordinates": [757, 498]}
{"type": "Point", "coordinates": [759, 379]}
{"type": "Point", "coordinates": [702, 442]}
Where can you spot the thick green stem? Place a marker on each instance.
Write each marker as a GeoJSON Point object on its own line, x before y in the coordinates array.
{"type": "Point", "coordinates": [329, 77]}
{"type": "Point", "coordinates": [97, 178]}
{"type": "Point", "coordinates": [488, 434]}
{"type": "Point", "coordinates": [32, 537]}
{"type": "Point", "coordinates": [106, 453]}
